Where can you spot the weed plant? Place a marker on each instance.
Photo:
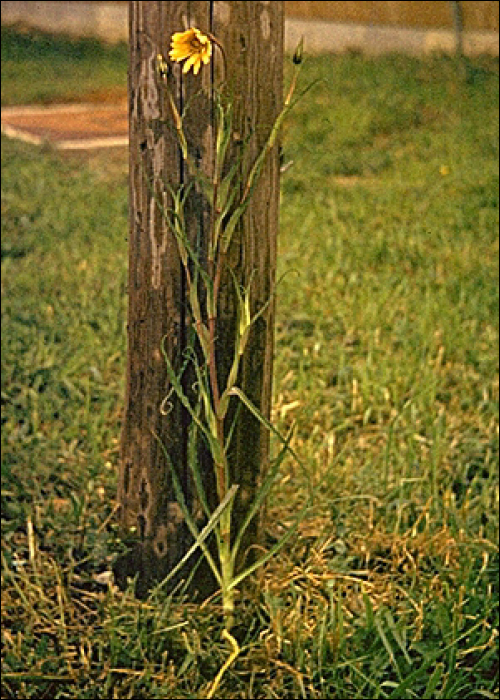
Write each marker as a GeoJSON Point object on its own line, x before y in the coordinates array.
{"type": "Point", "coordinates": [386, 360]}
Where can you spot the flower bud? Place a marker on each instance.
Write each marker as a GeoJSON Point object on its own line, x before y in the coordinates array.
{"type": "Point", "coordinates": [299, 53]}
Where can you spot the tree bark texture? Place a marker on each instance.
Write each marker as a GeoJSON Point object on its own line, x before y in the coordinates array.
{"type": "Point", "coordinates": [252, 36]}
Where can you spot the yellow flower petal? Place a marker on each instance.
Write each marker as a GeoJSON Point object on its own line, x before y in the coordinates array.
{"type": "Point", "coordinates": [191, 46]}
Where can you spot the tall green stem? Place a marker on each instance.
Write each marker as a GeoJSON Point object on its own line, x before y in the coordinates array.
{"type": "Point", "coordinates": [228, 193]}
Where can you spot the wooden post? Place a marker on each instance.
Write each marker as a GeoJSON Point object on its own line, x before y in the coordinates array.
{"type": "Point", "coordinates": [252, 36]}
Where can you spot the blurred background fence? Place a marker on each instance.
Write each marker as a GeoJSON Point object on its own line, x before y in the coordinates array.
{"type": "Point", "coordinates": [374, 27]}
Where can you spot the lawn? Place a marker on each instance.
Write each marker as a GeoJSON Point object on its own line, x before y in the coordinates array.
{"type": "Point", "coordinates": [386, 361]}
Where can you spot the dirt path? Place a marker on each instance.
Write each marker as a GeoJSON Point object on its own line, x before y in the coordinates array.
{"type": "Point", "coordinates": [69, 127]}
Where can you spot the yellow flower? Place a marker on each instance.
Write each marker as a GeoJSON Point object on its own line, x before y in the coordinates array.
{"type": "Point", "coordinates": [192, 45]}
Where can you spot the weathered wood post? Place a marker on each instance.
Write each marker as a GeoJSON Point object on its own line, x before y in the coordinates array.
{"type": "Point", "coordinates": [252, 36]}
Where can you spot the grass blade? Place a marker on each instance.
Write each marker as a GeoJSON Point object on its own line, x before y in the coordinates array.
{"type": "Point", "coordinates": [397, 636]}
{"type": "Point", "coordinates": [177, 386]}
{"type": "Point", "coordinates": [235, 391]}
{"type": "Point", "coordinates": [197, 535]}
{"type": "Point", "coordinates": [193, 465]}
{"type": "Point", "coordinates": [205, 532]}
{"type": "Point", "coordinates": [387, 645]}
{"type": "Point", "coordinates": [430, 691]}
{"type": "Point", "coordinates": [274, 550]}
{"type": "Point", "coordinates": [261, 495]}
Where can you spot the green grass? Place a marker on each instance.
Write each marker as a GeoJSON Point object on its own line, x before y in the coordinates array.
{"type": "Point", "coordinates": [40, 68]}
{"type": "Point", "coordinates": [386, 358]}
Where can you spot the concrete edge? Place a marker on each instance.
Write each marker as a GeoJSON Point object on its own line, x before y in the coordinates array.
{"type": "Point", "coordinates": [84, 144]}
{"type": "Point", "coordinates": [80, 144]}
{"type": "Point", "coordinates": [377, 39]}
{"type": "Point", "coordinates": [71, 108]}
{"type": "Point", "coordinates": [22, 135]}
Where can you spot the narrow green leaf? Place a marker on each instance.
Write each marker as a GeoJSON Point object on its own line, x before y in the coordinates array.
{"type": "Point", "coordinates": [177, 386]}
{"type": "Point", "coordinates": [210, 417]}
{"type": "Point", "coordinates": [412, 679]}
{"type": "Point", "coordinates": [179, 494]}
{"type": "Point", "coordinates": [224, 131]}
{"type": "Point", "coordinates": [429, 693]}
{"type": "Point", "coordinates": [195, 470]}
{"type": "Point", "coordinates": [236, 391]}
{"type": "Point", "coordinates": [230, 227]}
{"type": "Point", "coordinates": [387, 645]}
{"type": "Point", "coordinates": [274, 549]}
{"type": "Point", "coordinates": [205, 532]}
{"type": "Point", "coordinates": [230, 183]}
{"type": "Point", "coordinates": [261, 495]}
{"type": "Point", "coordinates": [198, 536]}
{"type": "Point", "coordinates": [232, 428]}
{"type": "Point", "coordinates": [397, 636]}
{"type": "Point", "coordinates": [340, 623]}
